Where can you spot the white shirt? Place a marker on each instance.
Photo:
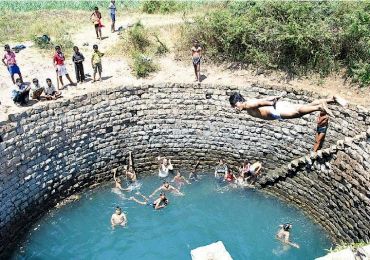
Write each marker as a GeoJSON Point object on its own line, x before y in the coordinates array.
{"type": "Point", "coordinates": [163, 170]}
{"type": "Point", "coordinates": [49, 89]}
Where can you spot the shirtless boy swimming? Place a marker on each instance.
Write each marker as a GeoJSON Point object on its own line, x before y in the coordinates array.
{"type": "Point", "coordinates": [118, 218]}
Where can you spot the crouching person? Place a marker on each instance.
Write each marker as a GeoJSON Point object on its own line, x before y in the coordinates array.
{"type": "Point", "coordinates": [50, 91]}
{"type": "Point", "coordinates": [36, 90]}
{"type": "Point", "coordinates": [20, 93]}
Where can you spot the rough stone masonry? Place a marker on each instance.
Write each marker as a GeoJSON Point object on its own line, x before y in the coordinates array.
{"type": "Point", "coordinates": [56, 149]}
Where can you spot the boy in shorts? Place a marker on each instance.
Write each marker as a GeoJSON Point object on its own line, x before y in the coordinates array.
{"type": "Point", "coordinates": [58, 61]}
{"type": "Point", "coordinates": [96, 62]}
{"type": "Point", "coordinates": [10, 62]}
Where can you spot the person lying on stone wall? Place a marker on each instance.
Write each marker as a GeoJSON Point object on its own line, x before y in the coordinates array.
{"type": "Point", "coordinates": [221, 169]}
{"type": "Point", "coordinates": [130, 172]}
{"type": "Point", "coordinates": [118, 218]}
{"type": "Point", "coordinates": [159, 203]}
{"type": "Point", "coordinates": [193, 176]}
{"type": "Point", "coordinates": [284, 235]}
{"type": "Point", "coordinates": [180, 180]}
{"type": "Point", "coordinates": [118, 182]}
{"type": "Point", "coordinates": [253, 172]}
{"type": "Point", "coordinates": [165, 167]}
{"type": "Point", "coordinates": [322, 126]}
{"type": "Point", "coordinates": [271, 108]}
{"type": "Point", "coordinates": [166, 187]}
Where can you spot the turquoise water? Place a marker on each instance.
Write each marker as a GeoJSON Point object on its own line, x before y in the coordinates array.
{"type": "Point", "coordinates": [246, 222]}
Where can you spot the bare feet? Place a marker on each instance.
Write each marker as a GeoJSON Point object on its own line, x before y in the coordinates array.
{"type": "Point", "coordinates": [325, 109]}
{"type": "Point", "coordinates": [340, 101]}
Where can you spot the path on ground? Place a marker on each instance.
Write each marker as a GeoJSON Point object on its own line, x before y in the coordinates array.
{"type": "Point", "coordinates": [116, 71]}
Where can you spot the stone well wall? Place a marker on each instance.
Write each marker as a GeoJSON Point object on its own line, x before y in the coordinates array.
{"type": "Point", "coordinates": [332, 186]}
{"type": "Point", "coordinates": [56, 149]}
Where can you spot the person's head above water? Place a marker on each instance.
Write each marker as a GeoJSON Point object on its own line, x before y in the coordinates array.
{"type": "Point", "coordinates": [118, 210]}
{"type": "Point", "coordinates": [166, 184]}
{"type": "Point", "coordinates": [287, 227]}
{"type": "Point", "coordinates": [162, 196]}
{"type": "Point", "coordinates": [236, 98]}
{"type": "Point", "coordinates": [221, 161]}
{"type": "Point", "coordinates": [178, 174]}
{"type": "Point", "coordinates": [165, 161]}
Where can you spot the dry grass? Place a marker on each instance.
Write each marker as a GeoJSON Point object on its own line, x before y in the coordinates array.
{"type": "Point", "coordinates": [24, 26]}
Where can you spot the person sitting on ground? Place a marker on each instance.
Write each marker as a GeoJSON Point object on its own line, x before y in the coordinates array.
{"type": "Point", "coordinates": [95, 18]}
{"type": "Point", "coordinates": [229, 176]}
{"type": "Point", "coordinates": [58, 62]}
{"type": "Point", "coordinates": [96, 62]}
{"type": "Point", "coordinates": [118, 218]}
{"type": "Point", "coordinates": [196, 55]}
{"type": "Point", "coordinates": [159, 203]}
{"type": "Point", "coordinates": [270, 108]}
{"type": "Point", "coordinates": [117, 181]}
{"type": "Point", "coordinates": [166, 187]}
{"type": "Point", "coordinates": [20, 93]}
{"type": "Point", "coordinates": [284, 235]}
{"type": "Point", "coordinates": [112, 12]}
{"type": "Point", "coordinates": [78, 59]}
{"type": "Point", "coordinates": [165, 166]}
{"type": "Point", "coordinates": [179, 179]}
{"type": "Point", "coordinates": [193, 176]}
{"type": "Point", "coordinates": [50, 92]}
{"type": "Point", "coordinates": [36, 89]}
{"type": "Point", "coordinates": [254, 172]}
{"type": "Point", "coordinates": [322, 126]}
{"type": "Point", "coordinates": [130, 172]}
{"type": "Point", "coordinates": [10, 62]}
{"type": "Point", "coordinates": [221, 169]}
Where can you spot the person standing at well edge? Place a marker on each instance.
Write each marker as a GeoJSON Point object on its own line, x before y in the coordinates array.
{"type": "Point", "coordinates": [112, 13]}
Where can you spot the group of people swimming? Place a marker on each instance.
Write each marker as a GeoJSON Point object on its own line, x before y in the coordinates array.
{"type": "Point", "coordinates": [249, 173]}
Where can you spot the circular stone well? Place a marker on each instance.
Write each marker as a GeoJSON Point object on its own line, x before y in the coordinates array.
{"type": "Point", "coordinates": [54, 150]}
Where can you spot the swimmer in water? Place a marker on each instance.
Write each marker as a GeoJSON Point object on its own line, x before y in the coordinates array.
{"type": "Point", "coordinates": [193, 176]}
{"type": "Point", "coordinates": [229, 176]}
{"type": "Point", "coordinates": [118, 218]}
{"type": "Point", "coordinates": [179, 179]}
{"type": "Point", "coordinates": [166, 187]}
{"type": "Point", "coordinates": [271, 108]}
{"type": "Point", "coordinates": [118, 181]}
{"type": "Point", "coordinates": [130, 172]}
{"type": "Point", "coordinates": [159, 203]}
{"type": "Point", "coordinates": [284, 235]}
{"type": "Point", "coordinates": [254, 172]}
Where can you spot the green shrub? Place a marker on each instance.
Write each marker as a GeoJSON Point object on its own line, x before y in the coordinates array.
{"type": "Point", "coordinates": [138, 38]}
{"type": "Point", "coordinates": [294, 36]}
{"type": "Point", "coordinates": [164, 6]}
{"type": "Point", "coordinates": [142, 65]}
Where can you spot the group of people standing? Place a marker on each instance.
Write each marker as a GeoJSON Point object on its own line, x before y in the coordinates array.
{"type": "Point", "coordinates": [21, 92]}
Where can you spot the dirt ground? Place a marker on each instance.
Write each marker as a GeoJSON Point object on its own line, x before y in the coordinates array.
{"type": "Point", "coordinates": [116, 71]}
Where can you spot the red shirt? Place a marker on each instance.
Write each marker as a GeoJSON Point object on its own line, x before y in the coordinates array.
{"type": "Point", "coordinates": [59, 58]}
{"type": "Point", "coordinates": [229, 177]}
